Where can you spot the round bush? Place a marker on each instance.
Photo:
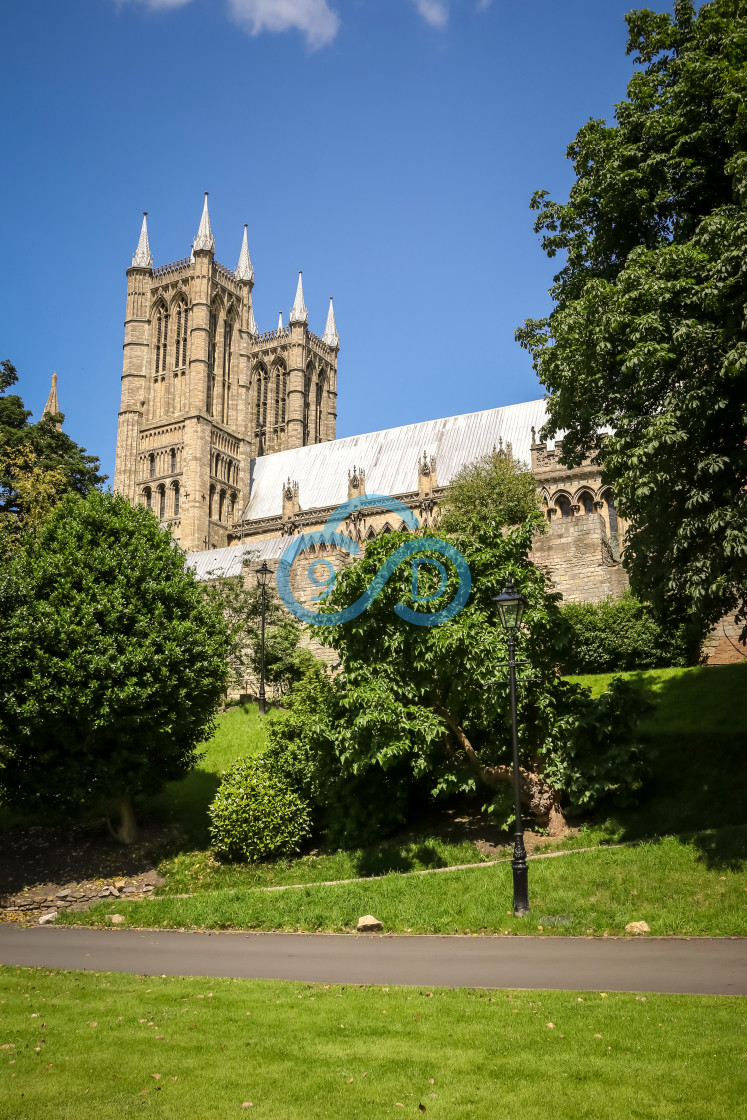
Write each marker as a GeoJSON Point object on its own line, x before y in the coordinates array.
{"type": "Point", "coordinates": [254, 814]}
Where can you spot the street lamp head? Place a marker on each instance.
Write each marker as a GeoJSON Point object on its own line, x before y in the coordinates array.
{"type": "Point", "coordinates": [511, 607]}
{"type": "Point", "coordinates": [263, 574]}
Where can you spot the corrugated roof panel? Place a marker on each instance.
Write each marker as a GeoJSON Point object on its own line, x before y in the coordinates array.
{"type": "Point", "coordinates": [229, 561]}
{"type": "Point", "coordinates": [390, 457]}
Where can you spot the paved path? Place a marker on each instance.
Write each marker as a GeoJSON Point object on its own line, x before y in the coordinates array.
{"type": "Point", "coordinates": [716, 966]}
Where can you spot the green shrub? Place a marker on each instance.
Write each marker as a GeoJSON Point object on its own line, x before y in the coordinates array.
{"type": "Point", "coordinates": [622, 634]}
{"type": "Point", "coordinates": [255, 814]}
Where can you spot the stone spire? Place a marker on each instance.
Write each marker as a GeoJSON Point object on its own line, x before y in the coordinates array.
{"type": "Point", "coordinates": [253, 328]}
{"type": "Point", "coordinates": [204, 239]}
{"type": "Point", "coordinates": [299, 314]}
{"type": "Point", "coordinates": [244, 270]}
{"type": "Point", "coordinates": [143, 258]}
{"type": "Point", "coordinates": [280, 320]}
{"type": "Point", "coordinates": [52, 407]}
{"type": "Point", "coordinates": [330, 336]}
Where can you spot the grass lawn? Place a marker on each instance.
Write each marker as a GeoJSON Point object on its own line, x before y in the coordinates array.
{"type": "Point", "coordinates": [79, 1046]}
{"type": "Point", "coordinates": [697, 887]}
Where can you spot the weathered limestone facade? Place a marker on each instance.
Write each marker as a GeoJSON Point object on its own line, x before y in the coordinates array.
{"type": "Point", "coordinates": [204, 392]}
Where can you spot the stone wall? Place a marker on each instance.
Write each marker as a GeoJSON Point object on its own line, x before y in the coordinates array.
{"type": "Point", "coordinates": [722, 646]}
{"type": "Point", "coordinates": [579, 558]}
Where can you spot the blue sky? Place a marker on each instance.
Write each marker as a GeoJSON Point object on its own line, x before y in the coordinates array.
{"type": "Point", "coordinates": [389, 148]}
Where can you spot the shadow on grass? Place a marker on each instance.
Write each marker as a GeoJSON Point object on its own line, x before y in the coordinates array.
{"type": "Point", "coordinates": [382, 859]}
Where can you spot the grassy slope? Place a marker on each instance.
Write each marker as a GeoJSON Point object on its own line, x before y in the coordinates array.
{"type": "Point", "coordinates": [98, 1039]}
{"type": "Point", "coordinates": [676, 887]}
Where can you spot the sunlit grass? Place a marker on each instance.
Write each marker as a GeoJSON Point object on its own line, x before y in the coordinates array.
{"type": "Point", "coordinates": [99, 1046]}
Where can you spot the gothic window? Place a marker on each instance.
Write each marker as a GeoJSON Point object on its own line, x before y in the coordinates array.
{"type": "Point", "coordinates": [283, 397]}
{"type": "Point", "coordinates": [318, 419]}
{"type": "Point", "coordinates": [173, 460]}
{"type": "Point", "coordinates": [611, 510]}
{"type": "Point", "coordinates": [222, 505]}
{"type": "Point", "coordinates": [161, 502]}
{"type": "Point", "coordinates": [563, 504]}
{"type": "Point", "coordinates": [176, 499]}
{"type": "Point", "coordinates": [265, 390]}
{"type": "Point", "coordinates": [211, 360]}
{"type": "Point", "coordinates": [232, 505]}
{"type": "Point", "coordinates": [211, 501]}
{"type": "Point", "coordinates": [227, 340]}
{"type": "Point", "coordinates": [277, 397]}
{"type": "Point", "coordinates": [147, 494]}
{"type": "Point", "coordinates": [586, 501]}
{"type": "Point", "coordinates": [162, 332]}
{"type": "Point", "coordinates": [370, 535]}
{"type": "Point", "coordinates": [152, 466]}
{"type": "Point", "coordinates": [306, 395]}
{"type": "Point", "coordinates": [180, 341]}
{"type": "Point", "coordinates": [387, 528]}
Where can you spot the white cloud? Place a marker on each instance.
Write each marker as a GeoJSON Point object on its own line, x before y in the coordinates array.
{"type": "Point", "coordinates": [313, 17]}
{"type": "Point", "coordinates": [434, 12]}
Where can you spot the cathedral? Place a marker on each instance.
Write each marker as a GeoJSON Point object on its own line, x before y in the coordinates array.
{"type": "Point", "coordinates": [228, 434]}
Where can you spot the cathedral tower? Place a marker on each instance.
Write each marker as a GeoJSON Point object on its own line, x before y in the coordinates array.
{"type": "Point", "coordinates": [204, 392]}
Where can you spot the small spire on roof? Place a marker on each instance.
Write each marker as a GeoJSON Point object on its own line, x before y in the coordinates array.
{"type": "Point", "coordinates": [52, 407]}
{"type": "Point", "coordinates": [244, 270]}
{"type": "Point", "coordinates": [330, 336]}
{"type": "Point", "coordinates": [253, 328]}
{"type": "Point", "coordinates": [204, 239]}
{"type": "Point", "coordinates": [298, 313]}
{"type": "Point", "coordinates": [143, 258]}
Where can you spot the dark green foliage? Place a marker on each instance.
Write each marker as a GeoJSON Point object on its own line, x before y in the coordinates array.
{"type": "Point", "coordinates": [423, 710]}
{"type": "Point", "coordinates": [255, 814]}
{"type": "Point", "coordinates": [31, 453]}
{"type": "Point", "coordinates": [648, 334]}
{"type": "Point", "coordinates": [113, 659]}
{"type": "Point", "coordinates": [622, 634]}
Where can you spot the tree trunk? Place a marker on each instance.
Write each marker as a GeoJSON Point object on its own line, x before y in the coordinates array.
{"type": "Point", "coordinates": [543, 801]}
{"type": "Point", "coordinates": [127, 831]}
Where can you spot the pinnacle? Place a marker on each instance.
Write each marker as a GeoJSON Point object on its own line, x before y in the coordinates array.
{"type": "Point", "coordinates": [244, 270]}
{"type": "Point", "coordinates": [143, 258]}
{"type": "Point", "coordinates": [330, 335]}
{"type": "Point", "coordinates": [204, 240]}
{"type": "Point", "coordinates": [298, 313]}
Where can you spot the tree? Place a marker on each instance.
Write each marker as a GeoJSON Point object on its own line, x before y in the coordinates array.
{"type": "Point", "coordinates": [113, 660]}
{"type": "Point", "coordinates": [494, 486]}
{"type": "Point", "coordinates": [39, 463]}
{"type": "Point", "coordinates": [648, 336]}
{"type": "Point", "coordinates": [432, 699]}
{"type": "Point", "coordinates": [241, 602]}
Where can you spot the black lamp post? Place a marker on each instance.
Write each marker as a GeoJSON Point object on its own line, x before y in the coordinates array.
{"type": "Point", "coordinates": [263, 575]}
{"type": "Point", "coordinates": [511, 609]}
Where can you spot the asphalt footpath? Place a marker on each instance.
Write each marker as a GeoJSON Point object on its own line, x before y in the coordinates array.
{"type": "Point", "coordinates": [703, 965]}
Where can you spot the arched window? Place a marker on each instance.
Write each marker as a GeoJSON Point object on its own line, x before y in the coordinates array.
{"type": "Point", "coordinates": [211, 360]}
{"type": "Point", "coordinates": [306, 395]}
{"type": "Point", "coordinates": [265, 390]}
{"type": "Point", "coordinates": [151, 466]}
{"type": "Point", "coordinates": [563, 504]}
{"type": "Point", "coordinates": [172, 457]}
{"type": "Point", "coordinates": [148, 495]}
{"type": "Point", "coordinates": [277, 396]}
{"type": "Point", "coordinates": [586, 501]}
{"type": "Point", "coordinates": [283, 397]}
{"type": "Point", "coordinates": [232, 505]}
{"type": "Point", "coordinates": [258, 382]}
{"type": "Point", "coordinates": [370, 535]}
{"type": "Point", "coordinates": [222, 505]}
{"type": "Point", "coordinates": [162, 337]}
{"type": "Point", "coordinates": [611, 510]}
{"type": "Point", "coordinates": [387, 528]}
{"type": "Point", "coordinates": [161, 502]}
{"type": "Point", "coordinates": [227, 343]}
{"type": "Point", "coordinates": [318, 410]}
{"type": "Point", "coordinates": [176, 499]}
{"type": "Point", "coordinates": [211, 502]}
{"type": "Point", "coordinates": [180, 342]}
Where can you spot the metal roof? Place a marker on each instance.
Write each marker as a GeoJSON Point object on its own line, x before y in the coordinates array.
{"type": "Point", "coordinates": [389, 458]}
{"type": "Point", "coordinates": [229, 561]}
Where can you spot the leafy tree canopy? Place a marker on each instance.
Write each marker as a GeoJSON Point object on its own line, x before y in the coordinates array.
{"type": "Point", "coordinates": [432, 700]}
{"type": "Point", "coordinates": [38, 462]}
{"type": "Point", "coordinates": [648, 334]}
{"type": "Point", "coordinates": [113, 659]}
{"type": "Point", "coordinates": [494, 486]}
